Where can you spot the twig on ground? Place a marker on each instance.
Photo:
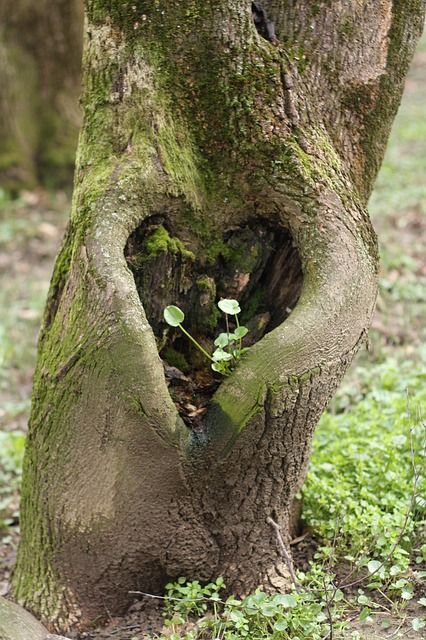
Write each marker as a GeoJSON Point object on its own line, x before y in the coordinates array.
{"type": "Point", "coordinates": [150, 595]}
{"type": "Point", "coordinates": [399, 627]}
{"type": "Point", "coordinates": [328, 601]}
{"type": "Point", "coordinates": [296, 541]}
{"type": "Point", "coordinates": [127, 627]}
{"type": "Point", "coordinates": [330, 595]}
{"type": "Point", "coordinates": [285, 554]}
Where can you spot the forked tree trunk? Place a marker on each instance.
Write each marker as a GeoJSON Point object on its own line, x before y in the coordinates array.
{"type": "Point", "coordinates": [40, 58]}
{"type": "Point", "coordinates": [221, 164]}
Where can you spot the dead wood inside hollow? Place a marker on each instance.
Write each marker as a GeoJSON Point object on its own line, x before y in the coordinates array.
{"type": "Point", "coordinates": [257, 264]}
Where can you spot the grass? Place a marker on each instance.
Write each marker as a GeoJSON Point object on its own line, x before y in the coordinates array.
{"type": "Point", "coordinates": [11, 454]}
{"type": "Point", "coordinates": [30, 232]}
{"type": "Point", "coordinates": [400, 186]}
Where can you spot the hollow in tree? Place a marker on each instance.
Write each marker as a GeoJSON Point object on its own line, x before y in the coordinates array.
{"type": "Point", "coordinates": [214, 161]}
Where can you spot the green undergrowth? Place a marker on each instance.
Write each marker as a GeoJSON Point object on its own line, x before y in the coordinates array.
{"type": "Point", "coordinates": [11, 454]}
{"type": "Point", "coordinates": [364, 501]}
{"type": "Point", "coordinates": [365, 495]}
{"type": "Point", "coordinates": [195, 612]}
{"type": "Point", "coordinates": [30, 232]}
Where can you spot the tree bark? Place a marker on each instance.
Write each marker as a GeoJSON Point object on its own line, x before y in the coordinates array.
{"type": "Point", "coordinates": [224, 160]}
{"type": "Point", "coordinates": [40, 71]}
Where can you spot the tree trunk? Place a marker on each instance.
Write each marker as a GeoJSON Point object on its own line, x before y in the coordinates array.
{"type": "Point", "coordinates": [40, 58]}
{"type": "Point", "coordinates": [212, 162]}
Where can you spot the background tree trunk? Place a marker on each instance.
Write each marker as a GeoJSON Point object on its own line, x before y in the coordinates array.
{"type": "Point", "coordinates": [40, 59]}
{"type": "Point", "coordinates": [212, 162]}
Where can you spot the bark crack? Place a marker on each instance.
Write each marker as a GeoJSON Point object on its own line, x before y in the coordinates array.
{"type": "Point", "coordinates": [290, 108]}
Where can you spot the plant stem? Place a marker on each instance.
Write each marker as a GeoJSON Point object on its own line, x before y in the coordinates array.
{"type": "Point", "coordinates": [238, 326]}
{"type": "Point", "coordinates": [188, 335]}
{"type": "Point", "coordinates": [227, 329]}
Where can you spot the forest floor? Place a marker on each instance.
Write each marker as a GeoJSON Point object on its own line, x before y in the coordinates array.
{"type": "Point", "coordinates": [30, 233]}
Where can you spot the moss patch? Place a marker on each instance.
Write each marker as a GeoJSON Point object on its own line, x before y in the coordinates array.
{"type": "Point", "coordinates": [161, 241]}
{"type": "Point", "coordinates": [176, 359]}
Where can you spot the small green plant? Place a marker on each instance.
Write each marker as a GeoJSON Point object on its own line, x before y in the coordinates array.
{"type": "Point", "coordinates": [196, 612]}
{"type": "Point", "coordinates": [229, 347]}
{"type": "Point", "coordinates": [366, 481]}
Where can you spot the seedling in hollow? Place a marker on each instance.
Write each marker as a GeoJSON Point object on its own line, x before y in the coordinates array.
{"type": "Point", "coordinates": [229, 345]}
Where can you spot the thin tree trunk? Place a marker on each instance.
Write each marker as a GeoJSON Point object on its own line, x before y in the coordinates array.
{"type": "Point", "coordinates": [218, 162]}
{"type": "Point", "coordinates": [40, 58]}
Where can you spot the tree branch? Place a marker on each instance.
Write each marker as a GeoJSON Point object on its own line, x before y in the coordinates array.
{"type": "Point", "coordinates": [352, 58]}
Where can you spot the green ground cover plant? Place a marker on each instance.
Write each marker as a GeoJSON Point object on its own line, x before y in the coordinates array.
{"type": "Point", "coordinates": [257, 616]}
{"type": "Point", "coordinates": [365, 499]}
{"type": "Point", "coordinates": [366, 490]}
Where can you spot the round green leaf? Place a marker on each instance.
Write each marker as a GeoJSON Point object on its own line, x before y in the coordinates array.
{"type": "Point", "coordinates": [231, 307]}
{"type": "Point", "coordinates": [240, 332]}
{"type": "Point", "coordinates": [173, 315]}
{"type": "Point", "coordinates": [280, 625]}
{"type": "Point", "coordinates": [221, 356]}
{"type": "Point", "coordinates": [394, 570]}
{"type": "Point", "coordinates": [374, 565]}
{"type": "Point", "coordinates": [223, 339]}
{"type": "Point", "coordinates": [285, 600]}
{"type": "Point", "coordinates": [236, 616]}
{"type": "Point", "coordinates": [268, 610]}
{"type": "Point", "coordinates": [338, 595]}
{"type": "Point", "coordinates": [363, 599]}
{"type": "Point", "coordinates": [418, 623]}
{"type": "Point", "coordinates": [288, 601]}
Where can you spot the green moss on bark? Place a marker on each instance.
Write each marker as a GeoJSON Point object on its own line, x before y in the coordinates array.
{"type": "Point", "coordinates": [176, 359]}
{"type": "Point", "coordinates": [161, 240]}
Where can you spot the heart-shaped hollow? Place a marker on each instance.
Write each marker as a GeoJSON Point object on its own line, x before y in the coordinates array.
{"type": "Point", "coordinates": [256, 264]}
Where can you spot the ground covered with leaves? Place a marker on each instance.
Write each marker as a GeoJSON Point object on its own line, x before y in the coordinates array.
{"type": "Point", "coordinates": [361, 558]}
